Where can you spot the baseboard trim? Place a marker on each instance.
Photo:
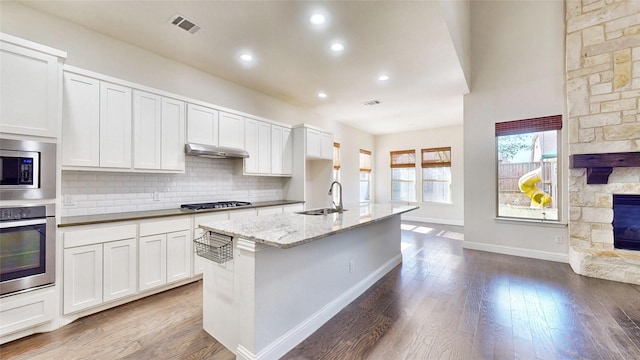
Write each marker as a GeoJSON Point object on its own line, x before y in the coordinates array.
{"type": "Point", "coordinates": [293, 337]}
{"type": "Point", "coordinates": [433, 221]}
{"type": "Point", "coordinates": [509, 250]}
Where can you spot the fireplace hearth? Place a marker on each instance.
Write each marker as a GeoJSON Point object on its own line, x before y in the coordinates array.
{"type": "Point", "coordinates": [626, 222]}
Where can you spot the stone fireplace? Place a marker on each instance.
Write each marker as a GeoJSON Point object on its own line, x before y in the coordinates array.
{"type": "Point", "coordinates": [603, 94]}
{"type": "Point", "coordinates": [626, 222]}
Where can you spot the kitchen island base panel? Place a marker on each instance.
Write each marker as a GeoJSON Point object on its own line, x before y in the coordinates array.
{"type": "Point", "coordinates": [267, 300]}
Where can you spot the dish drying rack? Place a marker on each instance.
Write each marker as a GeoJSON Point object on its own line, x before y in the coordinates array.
{"type": "Point", "coordinates": [215, 247]}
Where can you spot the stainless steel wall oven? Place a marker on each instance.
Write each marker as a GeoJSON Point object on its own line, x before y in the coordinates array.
{"type": "Point", "coordinates": [27, 247]}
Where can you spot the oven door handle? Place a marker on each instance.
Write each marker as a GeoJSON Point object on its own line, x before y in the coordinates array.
{"type": "Point", "coordinates": [18, 223]}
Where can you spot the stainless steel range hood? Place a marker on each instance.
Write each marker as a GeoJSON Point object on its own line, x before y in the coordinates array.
{"type": "Point", "coordinates": [214, 152]}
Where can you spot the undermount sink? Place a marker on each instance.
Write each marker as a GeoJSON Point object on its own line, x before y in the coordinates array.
{"type": "Point", "coordinates": [322, 211]}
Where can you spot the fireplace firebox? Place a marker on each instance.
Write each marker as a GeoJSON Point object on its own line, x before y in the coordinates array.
{"type": "Point", "coordinates": [626, 222]}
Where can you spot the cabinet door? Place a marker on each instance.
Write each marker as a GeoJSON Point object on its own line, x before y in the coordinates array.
{"type": "Point", "coordinates": [326, 146]}
{"type": "Point", "coordinates": [120, 269]}
{"type": "Point", "coordinates": [270, 210]}
{"type": "Point", "coordinates": [276, 149]}
{"type": "Point", "coordinates": [264, 148]}
{"type": "Point", "coordinates": [313, 143]}
{"type": "Point", "coordinates": [287, 152]}
{"type": "Point", "coordinates": [147, 110]}
{"type": "Point", "coordinates": [292, 208]}
{"type": "Point", "coordinates": [28, 91]}
{"type": "Point", "coordinates": [115, 126]}
{"type": "Point", "coordinates": [153, 261]}
{"type": "Point", "coordinates": [202, 125]}
{"type": "Point", "coordinates": [231, 131]}
{"type": "Point", "coordinates": [173, 134]}
{"type": "Point", "coordinates": [251, 146]}
{"type": "Point", "coordinates": [80, 121]}
{"type": "Point", "coordinates": [178, 255]}
{"type": "Point", "coordinates": [242, 214]}
{"type": "Point", "coordinates": [82, 277]}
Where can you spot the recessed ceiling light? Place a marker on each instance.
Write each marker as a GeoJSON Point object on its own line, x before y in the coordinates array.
{"type": "Point", "coordinates": [246, 57]}
{"type": "Point", "coordinates": [317, 19]}
{"type": "Point", "coordinates": [337, 47]}
{"type": "Point", "coordinates": [384, 77]}
{"type": "Point", "coordinates": [322, 95]}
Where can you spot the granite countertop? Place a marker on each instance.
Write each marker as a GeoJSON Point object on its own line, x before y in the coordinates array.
{"type": "Point", "coordinates": [291, 229]}
{"type": "Point", "coordinates": [141, 215]}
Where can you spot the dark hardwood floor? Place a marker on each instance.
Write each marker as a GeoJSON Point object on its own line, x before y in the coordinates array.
{"type": "Point", "coordinates": [443, 302]}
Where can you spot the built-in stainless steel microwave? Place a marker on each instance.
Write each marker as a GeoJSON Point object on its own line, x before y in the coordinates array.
{"type": "Point", "coordinates": [27, 170]}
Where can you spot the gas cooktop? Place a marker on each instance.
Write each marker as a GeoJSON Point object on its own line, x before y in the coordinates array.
{"type": "Point", "coordinates": [215, 205]}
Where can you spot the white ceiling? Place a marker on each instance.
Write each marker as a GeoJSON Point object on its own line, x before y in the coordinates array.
{"type": "Point", "coordinates": [407, 40]}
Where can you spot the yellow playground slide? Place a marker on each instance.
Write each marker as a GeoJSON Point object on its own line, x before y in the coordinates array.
{"type": "Point", "coordinates": [527, 184]}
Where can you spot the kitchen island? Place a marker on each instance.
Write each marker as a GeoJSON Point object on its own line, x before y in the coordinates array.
{"type": "Point", "coordinates": [291, 273]}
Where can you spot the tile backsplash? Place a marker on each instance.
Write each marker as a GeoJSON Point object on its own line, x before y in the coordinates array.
{"type": "Point", "coordinates": [93, 192]}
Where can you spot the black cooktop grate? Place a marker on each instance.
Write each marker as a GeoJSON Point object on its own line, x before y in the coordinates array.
{"type": "Point", "coordinates": [215, 205]}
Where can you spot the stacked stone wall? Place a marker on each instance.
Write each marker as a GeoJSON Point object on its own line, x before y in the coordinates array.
{"type": "Point", "coordinates": [603, 105]}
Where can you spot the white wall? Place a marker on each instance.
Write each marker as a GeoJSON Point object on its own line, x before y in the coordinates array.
{"type": "Point", "coordinates": [96, 52]}
{"type": "Point", "coordinates": [439, 137]}
{"type": "Point", "coordinates": [517, 67]}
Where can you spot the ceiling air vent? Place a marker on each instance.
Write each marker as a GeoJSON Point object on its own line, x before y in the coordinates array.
{"type": "Point", "coordinates": [181, 22]}
{"type": "Point", "coordinates": [371, 102]}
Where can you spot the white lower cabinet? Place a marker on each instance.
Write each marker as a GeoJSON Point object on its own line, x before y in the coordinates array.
{"type": "Point", "coordinates": [82, 277]}
{"type": "Point", "coordinates": [153, 261]}
{"type": "Point", "coordinates": [100, 265]}
{"type": "Point", "coordinates": [23, 311]}
{"type": "Point", "coordinates": [119, 269]}
{"type": "Point", "coordinates": [165, 252]}
{"type": "Point", "coordinates": [292, 208]}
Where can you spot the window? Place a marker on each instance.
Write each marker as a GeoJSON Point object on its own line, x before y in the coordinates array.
{"type": "Point", "coordinates": [436, 175]}
{"type": "Point", "coordinates": [403, 175]}
{"type": "Point", "coordinates": [365, 175]}
{"type": "Point", "coordinates": [336, 169]}
{"type": "Point", "coordinates": [527, 161]}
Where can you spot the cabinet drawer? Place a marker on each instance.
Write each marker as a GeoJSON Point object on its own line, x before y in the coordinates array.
{"type": "Point", "coordinates": [165, 226]}
{"type": "Point", "coordinates": [23, 311]}
{"type": "Point", "coordinates": [98, 235]}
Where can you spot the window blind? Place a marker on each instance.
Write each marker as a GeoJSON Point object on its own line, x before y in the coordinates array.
{"type": "Point", "coordinates": [435, 157]}
{"type": "Point", "coordinates": [403, 159]}
{"type": "Point", "coordinates": [365, 160]}
{"type": "Point", "coordinates": [515, 127]}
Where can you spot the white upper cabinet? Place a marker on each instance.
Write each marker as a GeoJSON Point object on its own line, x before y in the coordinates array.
{"type": "Point", "coordinates": [287, 151]}
{"type": "Point", "coordinates": [81, 121]}
{"type": "Point", "coordinates": [115, 126]}
{"type": "Point", "coordinates": [258, 145]}
{"type": "Point", "coordinates": [231, 131]}
{"type": "Point", "coordinates": [158, 132]}
{"type": "Point", "coordinates": [319, 144]}
{"type": "Point", "coordinates": [147, 130]}
{"type": "Point", "coordinates": [276, 149]}
{"type": "Point", "coordinates": [264, 148]}
{"type": "Point", "coordinates": [173, 115]}
{"type": "Point", "coordinates": [202, 125]}
{"type": "Point", "coordinates": [269, 147]}
{"type": "Point", "coordinates": [30, 87]}
{"type": "Point", "coordinates": [112, 127]}
{"type": "Point", "coordinates": [281, 150]}
{"type": "Point", "coordinates": [251, 146]}
{"type": "Point", "coordinates": [313, 143]}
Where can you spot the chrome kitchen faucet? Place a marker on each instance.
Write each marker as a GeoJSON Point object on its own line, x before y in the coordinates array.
{"type": "Point", "coordinates": [339, 206]}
